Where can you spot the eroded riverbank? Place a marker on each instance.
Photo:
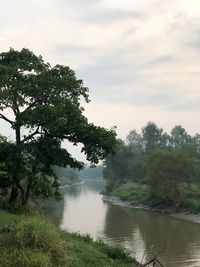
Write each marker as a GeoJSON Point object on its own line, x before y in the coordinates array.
{"type": "Point", "coordinates": [143, 232]}
{"type": "Point", "coordinates": [183, 215]}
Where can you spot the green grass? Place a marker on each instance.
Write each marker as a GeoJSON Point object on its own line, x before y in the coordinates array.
{"type": "Point", "coordinates": [32, 241]}
{"type": "Point", "coordinates": [132, 192]}
{"type": "Point", "coordinates": [140, 193]}
{"type": "Point", "coordinates": [7, 218]}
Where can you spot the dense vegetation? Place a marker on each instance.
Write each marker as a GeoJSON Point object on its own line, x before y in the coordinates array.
{"type": "Point", "coordinates": [156, 168]}
{"type": "Point", "coordinates": [42, 106]}
{"type": "Point", "coordinates": [32, 241]}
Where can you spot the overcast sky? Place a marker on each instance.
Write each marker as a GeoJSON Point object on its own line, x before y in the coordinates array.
{"type": "Point", "coordinates": [139, 58]}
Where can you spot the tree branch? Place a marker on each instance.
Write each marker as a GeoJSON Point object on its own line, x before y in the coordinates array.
{"type": "Point", "coordinates": [6, 119]}
{"type": "Point", "coordinates": [37, 102]}
{"type": "Point", "coordinates": [31, 135]}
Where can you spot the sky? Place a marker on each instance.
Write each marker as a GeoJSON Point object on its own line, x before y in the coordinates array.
{"type": "Point", "coordinates": [139, 58]}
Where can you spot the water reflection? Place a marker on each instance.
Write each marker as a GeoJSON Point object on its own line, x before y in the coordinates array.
{"type": "Point", "coordinates": [142, 231]}
{"type": "Point", "coordinates": [82, 209]}
{"type": "Point", "coordinates": [86, 213]}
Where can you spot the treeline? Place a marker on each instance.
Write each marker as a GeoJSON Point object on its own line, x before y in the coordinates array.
{"type": "Point", "coordinates": [167, 163]}
{"type": "Point", "coordinates": [91, 172]}
{"type": "Point", "coordinates": [65, 175]}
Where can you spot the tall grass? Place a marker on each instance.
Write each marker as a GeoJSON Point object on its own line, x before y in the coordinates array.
{"type": "Point", "coordinates": [32, 241]}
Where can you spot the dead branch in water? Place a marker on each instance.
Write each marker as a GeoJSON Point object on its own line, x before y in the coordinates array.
{"type": "Point", "coordinates": [153, 261]}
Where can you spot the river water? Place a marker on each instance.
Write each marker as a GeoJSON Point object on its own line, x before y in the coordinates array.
{"type": "Point", "coordinates": [143, 233]}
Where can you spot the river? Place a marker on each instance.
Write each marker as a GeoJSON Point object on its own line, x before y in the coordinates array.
{"type": "Point", "coordinates": [143, 233]}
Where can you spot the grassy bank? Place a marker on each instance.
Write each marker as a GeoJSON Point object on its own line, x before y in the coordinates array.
{"type": "Point", "coordinates": [132, 192]}
{"type": "Point", "coordinates": [140, 193]}
{"type": "Point", "coordinates": [32, 241]}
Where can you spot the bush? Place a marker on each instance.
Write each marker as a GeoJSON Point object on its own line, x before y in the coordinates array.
{"type": "Point", "coordinates": [134, 192]}
{"type": "Point", "coordinates": [191, 204]}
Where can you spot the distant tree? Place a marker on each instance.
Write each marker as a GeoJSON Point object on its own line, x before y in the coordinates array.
{"type": "Point", "coordinates": [196, 141]}
{"type": "Point", "coordinates": [117, 169]}
{"type": "Point", "coordinates": [137, 145]}
{"type": "Point", "coordinates": [166, 170]}
{"type": "Point", "coordinates": [152, 136]}
{"type": "Point", "coordinates": [45, 103]}
{"type": "Point", "coordinates": [136, 141]}
{"type": "Point", "coordinates": [165, 141]}
{"type": "Point", "coordinates": [91, 172]}
{"type": "Point", "coordinates": [182, 140]}
{"type": "Point", "coordinates": [166, 154]}
{"type": "Point", "coordinates": [65, 175]}
{"type": "Point", "coordinates": [179, 136]}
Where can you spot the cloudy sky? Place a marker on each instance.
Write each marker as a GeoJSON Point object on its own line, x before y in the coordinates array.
{"type": "Point", "coordinates": [139, 58]}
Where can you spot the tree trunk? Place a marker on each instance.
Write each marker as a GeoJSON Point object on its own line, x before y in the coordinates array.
{"type": "Point", "coordinates": [18, 164]}
{"type": "Point", "coordinates": [28, 191]}
{"type": "Point", "coordinates": [22, 195]}
{"type": "Point", "coordinates": [13, 196]}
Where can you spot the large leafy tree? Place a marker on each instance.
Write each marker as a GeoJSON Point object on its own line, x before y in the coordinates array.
{"type": "Point", "coordinates": [166, 170]}
{"type": "Point", "coordinates": [45, 106]}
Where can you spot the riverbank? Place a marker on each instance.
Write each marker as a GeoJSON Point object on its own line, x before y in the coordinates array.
{"type": "Point", "coordinates": [32, 241]}
{"type": "Point", "coordinates": [183, 215]}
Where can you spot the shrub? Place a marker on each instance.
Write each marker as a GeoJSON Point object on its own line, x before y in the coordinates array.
{"type": "Point", "coordinates": [192, 204]}
{"type": "Point", "coordinates": [132, 191]}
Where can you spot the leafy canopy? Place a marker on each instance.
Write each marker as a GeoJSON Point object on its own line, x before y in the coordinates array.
{"type": "Point", "coordinates": [45, 103]}
{"type": "Point", "coordinates": [166, 170]}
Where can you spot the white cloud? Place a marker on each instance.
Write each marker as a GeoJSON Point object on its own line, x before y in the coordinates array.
{"type": "Point", "coordinates": [140, 58]}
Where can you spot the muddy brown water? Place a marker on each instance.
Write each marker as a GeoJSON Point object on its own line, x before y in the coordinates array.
{"type": "Point", "coordinates": [143, 233]}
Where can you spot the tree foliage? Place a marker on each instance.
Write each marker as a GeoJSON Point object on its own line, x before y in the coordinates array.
{"type": "Point", "coordinates": [118, 165]}
{"type": "Point", "coordinates": [166, 172]}
{"type": "Point", "coordinates": [152, 137]}
{"type": "Point", "coordinates": [45, 103]}
{"type": "Point", "coordinates": [162, 160]}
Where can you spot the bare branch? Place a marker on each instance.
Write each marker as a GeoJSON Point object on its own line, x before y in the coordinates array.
{"type": "Point", "coordinates": [154, 260]}
{"type": "Point", "coordinates": [6, 119]}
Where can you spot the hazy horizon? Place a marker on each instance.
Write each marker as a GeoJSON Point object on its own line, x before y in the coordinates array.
{"type": "Point", "coordinates": [140, 59]}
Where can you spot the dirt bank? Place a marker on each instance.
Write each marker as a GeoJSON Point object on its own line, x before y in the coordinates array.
{"type": "Point", "coordinates": [183, 215]}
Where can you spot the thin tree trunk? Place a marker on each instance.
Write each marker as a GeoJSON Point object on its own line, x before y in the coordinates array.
{"type": "Point", "coordinates": [22, 194]}
{"type": "Point", "coordinates": [28, 191]}
{"type": "Point", "coordinates": [16, 187]}
{"type": "Point", "coordinates": [13, 196]}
